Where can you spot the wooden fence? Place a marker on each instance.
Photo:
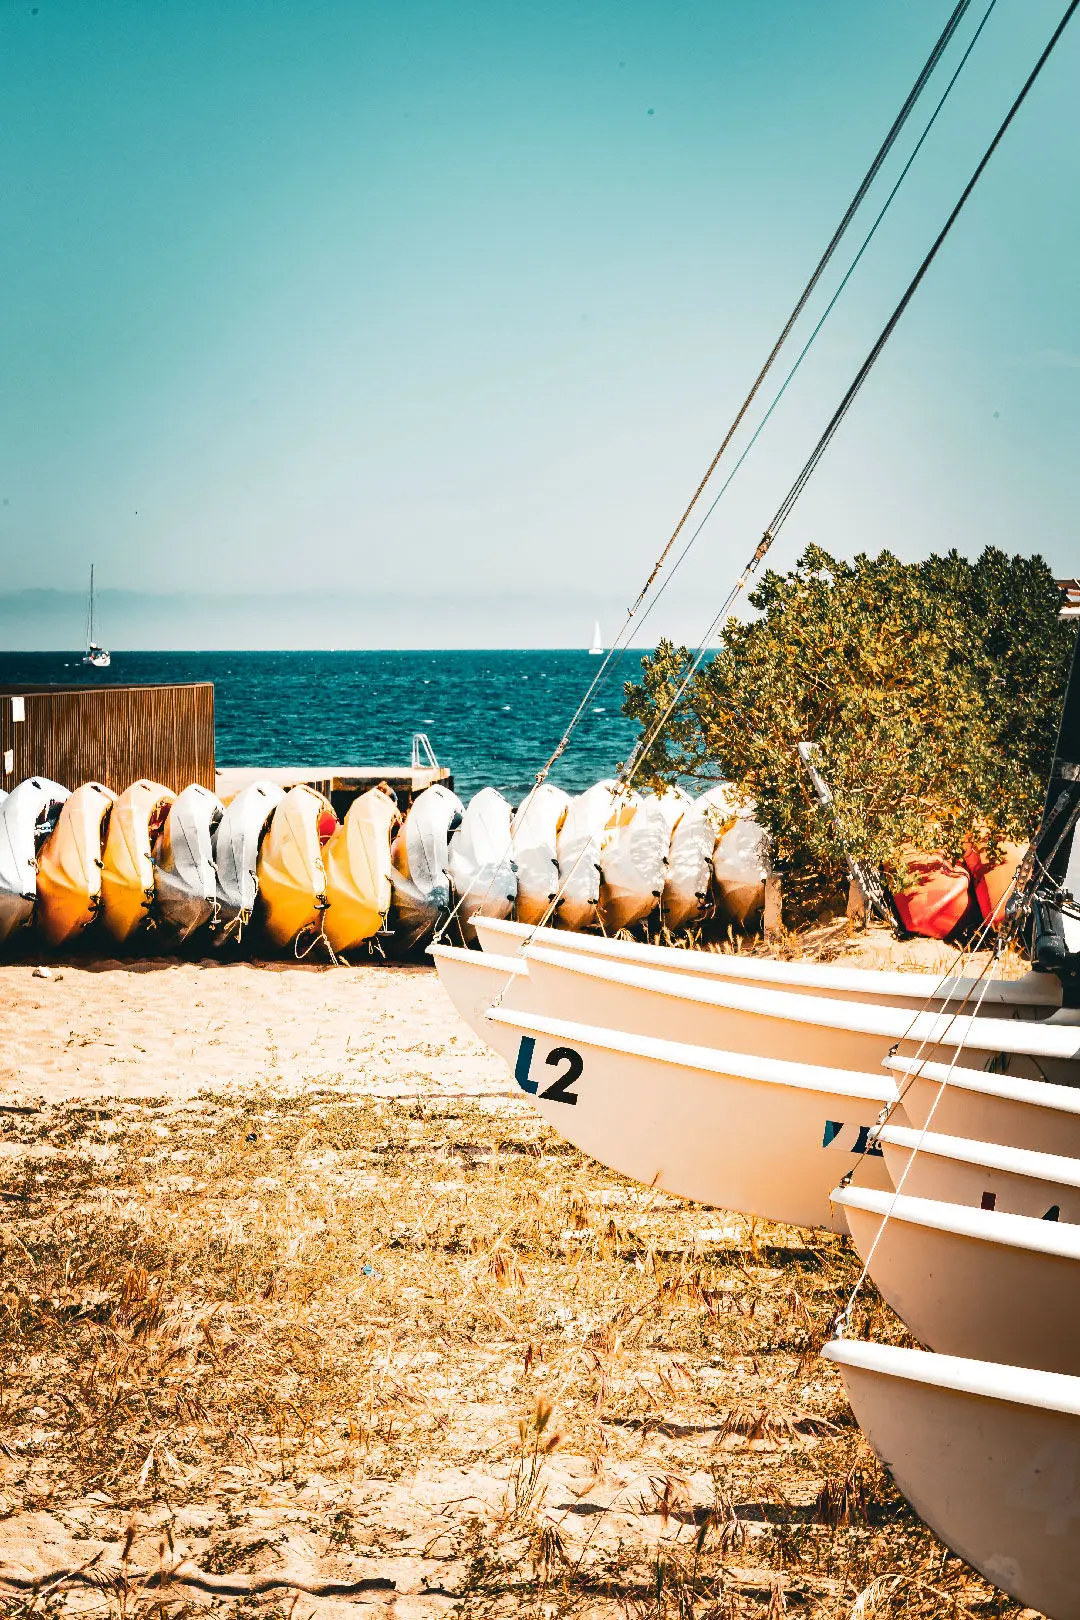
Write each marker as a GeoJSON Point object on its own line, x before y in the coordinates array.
{"type": "Point", "coordinates": [108, 734]}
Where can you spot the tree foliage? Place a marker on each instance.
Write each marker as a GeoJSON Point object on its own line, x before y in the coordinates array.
{"type": "Point", "coordinates": [933, 690]}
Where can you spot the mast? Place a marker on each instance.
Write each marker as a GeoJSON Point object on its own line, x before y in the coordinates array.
{"type": "Point", "coordinates": [91, 632]}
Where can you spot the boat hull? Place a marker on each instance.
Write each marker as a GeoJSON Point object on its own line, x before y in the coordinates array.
{"type": "Point", "coordinates": [989, 1458]}
{"type": "Point", "coordinates": [972, 1281]}
{"type": "Point", "coordinates": [291, 872]}
{"type": "Point", "coordinates": [1018, 1112]}
{"type": "Point", "coordinates": [982, 1175]}
{"type": "Point", "coordinates": [750, 1018]}
{"type": "Point", "coordinates": [357, 861]}
{"type": "Point", "coordinates": [764, 1138]}
{"type": "Point", "coordinates": [237, 840]}
{"type": "Point", "coordinates": [70, 865]}
{"type": "Point", "coordinates": [127, 877]}
{"type": "Point", "coordinates": [1037, 995]}
{"type": "Point", "coordinates": [185, 881]}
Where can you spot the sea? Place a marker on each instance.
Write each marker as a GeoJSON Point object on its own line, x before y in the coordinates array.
{"type": "Point", "coordinates": [493, 717]}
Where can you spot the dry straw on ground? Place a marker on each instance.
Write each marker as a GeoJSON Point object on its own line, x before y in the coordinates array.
{"type": "Point", "coordinates": [298, 1352]}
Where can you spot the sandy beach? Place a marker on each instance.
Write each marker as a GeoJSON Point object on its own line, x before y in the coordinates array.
{"type": "Point", "coordinates": [300, 1303]}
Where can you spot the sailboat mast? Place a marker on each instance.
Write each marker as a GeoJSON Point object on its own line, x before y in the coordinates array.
{"type": "Point", "coordinates": [90, 632]}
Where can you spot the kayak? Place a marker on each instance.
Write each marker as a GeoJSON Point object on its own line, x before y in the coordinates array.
{"type": "Point", "coordinates": [28, 815]}
{"type": "Point", "coordinates": [127, 878]}
{"type": "Point", "coordinates": [420, 858]}
{"type": "Point", "coordinates": [291, 870]}
{"type": "Point", "coordinates": [185, 882]}
{"type": "Point", "coordinates": [70, 865]}
{"type": "Point", "coordinates": [481, 869]}
{"type": "Point", "coordinates": [357, 861]}
{"type": "Point", "coordinates": [238, 838]}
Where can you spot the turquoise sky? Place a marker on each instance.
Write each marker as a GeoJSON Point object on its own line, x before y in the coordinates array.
{"type": "Point", "coordinates": [446, 307]}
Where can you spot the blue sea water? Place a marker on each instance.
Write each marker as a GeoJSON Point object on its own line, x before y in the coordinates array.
{"type": "Point", "coordinates": [492, 717]}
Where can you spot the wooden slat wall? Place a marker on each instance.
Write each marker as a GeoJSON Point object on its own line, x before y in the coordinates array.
{"type": "Point", "coordinates": [110, 734]}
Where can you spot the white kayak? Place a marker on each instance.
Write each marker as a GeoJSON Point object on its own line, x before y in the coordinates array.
{"type": "Point", "coordinates": [745, 1133]}
{"type": "Point", "coordinates": [741, 865]}
{"type": "Point", "coordinates": [480, 862]}
{"type": "Point", "coordinates": [987, 1455]}
{"type": "Point", "coordinates": [185, 878]}
{"type": "Point", "coordinates": [964, 1280]}
{"type": "Point", "coordinates": [28, 815]}
{"type": "Point", "coordinates": [688, 883]}
{"type": "Point", "coordinates": [237, 840]}
{"type": "Point", "coordinates": [730, 1016]}
{"type": "Point", "coordinates": [420, 857]}
{"type": "Point", "coordinates": [1036, 995]}
{"type": "Point", "coordinates": [633, 862]}
{"type": "Point", "coordinates": [534, 833]}
{"type": "Point", "coordinates": [984, 1175]}
{"type": "Point", "coordinates": [580, 845]}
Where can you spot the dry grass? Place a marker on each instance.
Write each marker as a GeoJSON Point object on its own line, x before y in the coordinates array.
{"type": "Point", "coordinates": [309, 1343]}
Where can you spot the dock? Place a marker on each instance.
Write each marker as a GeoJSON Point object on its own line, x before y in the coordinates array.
{"type": "Point", "coordinates": [340, 783]}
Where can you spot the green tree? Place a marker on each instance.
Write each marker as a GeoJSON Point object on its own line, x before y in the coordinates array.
{"type": "Point", "coordinates": [933, 690]}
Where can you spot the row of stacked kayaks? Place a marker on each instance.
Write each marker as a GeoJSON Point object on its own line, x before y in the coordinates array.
{"type": "Point", "coordinates": [280, 860]}
{"type": "Point", "coordinates": [760, 1085]}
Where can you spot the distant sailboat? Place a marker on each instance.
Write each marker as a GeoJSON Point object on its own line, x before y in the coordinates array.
{"type": "Point", "coordinates": [597, 648]}
{"type": "Point", "coordinates": [100, 657]}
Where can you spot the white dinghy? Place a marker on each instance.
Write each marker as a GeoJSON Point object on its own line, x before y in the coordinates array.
{"type": "Point", "coordinates": [482, 872]}
{"type": "Point", "coordinates": [988, 1456]}
{"type": "Point", "coordinates": [576, 988]}
{"type": "Point", "coordinates": [633, 862]}
{"type": "Point", "coordinates": [732, 1130]}
{"type": "Point", "coordinates": [688, 884]}
{"type": "Point", "coordinates": [27, 816]}
{"type": "Point", "coordinates": [419, 861]}
{"type": "Point", "coordinates": [965, 1280]}
{"type": "Point", "coordinates": [185, 878]}
{"type": "Point", "coordinates": [983, 1175]}
{"type": "Point", "coordinates": [534, 834]}
{"type": "Point", "coordinates": [1035, 995]}
{"type": "Point", "coordinates": [580, 845]}
{"type": "Point", "coordinates": [237, 839]}
{"type": "Point", "coordinates": [1006, 1108]}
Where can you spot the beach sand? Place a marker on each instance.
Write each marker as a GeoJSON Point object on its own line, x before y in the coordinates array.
{"type": "Point", "coordinates": [298, 1296]}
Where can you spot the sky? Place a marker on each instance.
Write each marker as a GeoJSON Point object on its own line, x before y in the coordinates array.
{"type": "Point", "coordinates": [333, 323]}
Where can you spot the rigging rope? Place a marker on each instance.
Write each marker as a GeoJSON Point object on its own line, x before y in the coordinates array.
{"type": "Point", "coordinates": [863, 188]}
{"type": "Point", "coordinates": [787, 505]}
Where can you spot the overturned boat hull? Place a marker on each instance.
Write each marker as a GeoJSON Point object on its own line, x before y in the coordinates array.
{"type": "Point", "coordinates": [291, 872]}
{"type": "Point", "coordinates": [27, 815]}
{"type": "Point", "coordinates": [70, 866]}
{"type": "Point", "coordinates": [357, 861]}
{"type": "Point", "coordinates": [127, 878]}
{"type": "Point", "coordinates": [237, 840]}
{"type": "Point", "coordinates": [185, 879]}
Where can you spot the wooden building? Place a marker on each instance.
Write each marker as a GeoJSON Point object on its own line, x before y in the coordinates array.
{"type": "Point", "coordinates": [108, 734]}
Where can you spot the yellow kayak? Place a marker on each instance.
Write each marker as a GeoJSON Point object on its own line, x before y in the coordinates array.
{"type": "Point", "coordinates": [357, 861]}
{"type": "Point", "coordinates": [127, 878]}
{"type": "Point", "coordinates": [70, 865]}
{"type": "Point", "coordinates": [292, 876]}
